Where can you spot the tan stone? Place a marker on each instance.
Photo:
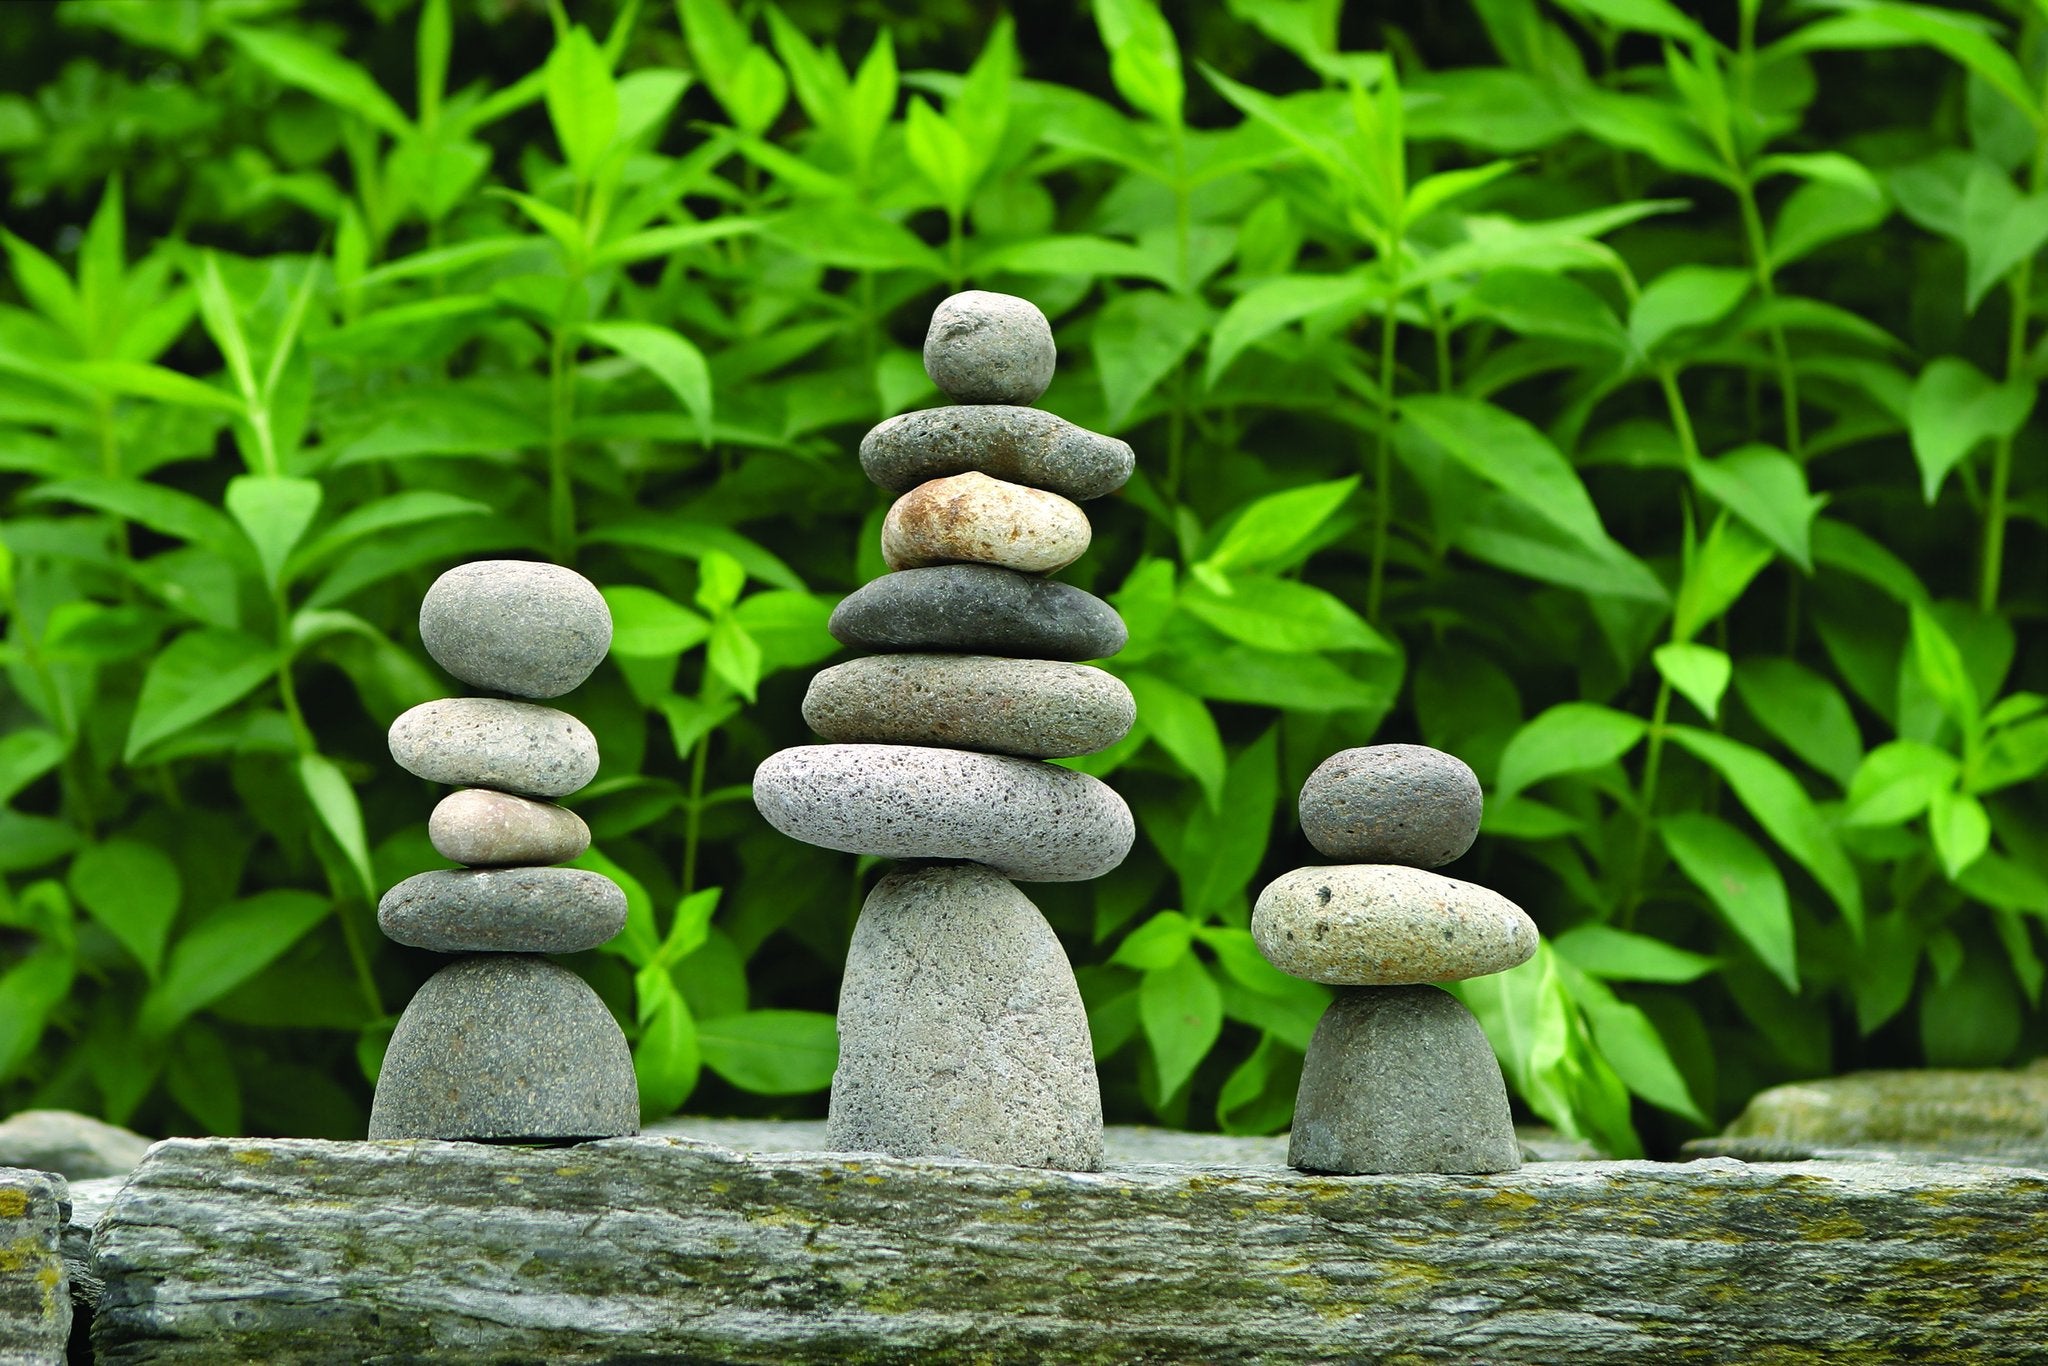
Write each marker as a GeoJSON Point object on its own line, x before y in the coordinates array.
{"type": "Point", "coordinates": [1377, 924]}
{"type": "Point", "coordinates": [973, 519]}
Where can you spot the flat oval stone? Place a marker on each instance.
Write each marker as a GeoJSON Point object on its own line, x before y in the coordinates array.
{"type": "Point", "coordinates": [503, 910]}
{"type": "Point", "coordinates": [1382, 924]}
{"type": "Point", "coordinates": [978, 609]}
{"type": "Point", "coordinates": [1027, 820]}
{"type": "Point", "coordinates": [1391, 804]}
{"type": "Point", "coordinates": [1023, 445]}
{"type": "Point", "coordinates": [488, 742]}
{"type": "Point", "coordinates": [1037, 708]}
{"type": "Point", "coordinates": [487, 829]}
{"type": "Point", "coordinates": [516, 626]}
{"type": "Point", "coordinates": [989, 348]}
{"type": "Point", "coordinates": [973, 519]}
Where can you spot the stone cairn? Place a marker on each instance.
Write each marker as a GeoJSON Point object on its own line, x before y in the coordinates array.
{"type": "Point", "coordinates": [503, 1046]}
{"type": "Point", "coordinates": [961, 1030]}
{"type": "Point", "coordinates": [1398, 1076]}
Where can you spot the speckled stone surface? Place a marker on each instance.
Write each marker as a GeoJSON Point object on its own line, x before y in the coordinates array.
{"type": "Point", "coordinates": [1379, 924]}
{"type": "Point", "coordinates": [1023, 445]}
{"type": "Point", "coordinates": [487, 829]}
{"type": "Point", "coordinates": [516, 747]}
{"type": "Point", "coordinates": [1036, 708]}
{"type": "Point", "coordinates": [503, 910]}
{"type": "Point", "coordinates": [973, 519]}
{"type": "Point", "coordinates": [989, 348]}
{"type": "Point", "coordinates": [1391, 804]}
{"type": "Point", "coordinates": [516, 626]}
{"type": "Point", "coordinates": [978, 609]}
{"type": "Point", "coordinates": [1030, 821]}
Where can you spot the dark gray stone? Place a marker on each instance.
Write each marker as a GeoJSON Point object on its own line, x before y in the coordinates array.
{"type": "Point", "coordinates": [1391, 804]}
{"type": "Point", "coordinates": [1386, 924]}
{"type": "Point", "coordinates": [77, 1147]}
{"type": "Point", "coordinates": [1401, 1079]}
{"type": "Point", "coordinates": [1036, 708]}
{"type": "Point", "coordinates": [487, 829]}
{"type": "Point", "coordinates": [1023, 445]}
{"type": "Point", "coordinates": [989, 348]}
{"type": "Point", "coordinates": [504, 910]}
{"type": "Point", "coordinates": [514, 747]}
{"type": "Point", "coordinates": [516, 626]}
{"type": "Point", "coordinates": [35, 1292]}
{"type": "Point", "coordinates": [978, 609]}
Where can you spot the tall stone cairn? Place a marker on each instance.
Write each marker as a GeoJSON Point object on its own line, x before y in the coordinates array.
{"type": "Point", "coordinates": [503, 1046]}
{"type": "Point", "coordinates": [1398, 1077]}
{"type": "Point", "coordinates": [961, 1030]}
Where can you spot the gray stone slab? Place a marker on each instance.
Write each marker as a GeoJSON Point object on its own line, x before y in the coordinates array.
{"type": "Point", "coordinates": [503, 910]}
{"type": "Point", "coordinates": [35, 1293]}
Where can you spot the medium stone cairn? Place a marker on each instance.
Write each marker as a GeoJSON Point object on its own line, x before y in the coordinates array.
{"type": "Point", "coordinates": [961, 1030]}
{"type": "Point", "coordinates": [503, 1046]}
{"type": "Point", "coordinates": [1399, 1076]}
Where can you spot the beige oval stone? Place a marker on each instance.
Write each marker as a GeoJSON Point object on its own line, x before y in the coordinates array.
{"type": "Point", "coordinates": [487, 829]}
{"type": "Point", "coordinates": [973, 519]}
{"type": "Point", "coordinates": [1385, 925]}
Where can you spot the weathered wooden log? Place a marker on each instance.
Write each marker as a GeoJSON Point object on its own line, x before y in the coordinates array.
{"type": "Point", "coordinates": [35, 1296]}
{"type": "Point", "coordinates": [654, 1248]}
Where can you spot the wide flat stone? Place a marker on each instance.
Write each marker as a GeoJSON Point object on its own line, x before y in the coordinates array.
{"type": "Point", "coordinates": [503, 910]}
{"type": "Point", "coordinates": [1391, 804]}
{"type": "Point", "coordinates": [973, 519]}
{"type": "Point", "coordinates": [1956, 1114]}
{"type": "Point", "coordinates": [74, 1146]}
{"type": "Point", "coordinates": [978, 609]}
{"type": "Point", "coordinates": [487, 829]}
{"type": "Point", "coordinates": [1023, 445]}
{"type": "Point", "coordinates": [1030, 821]}
{"type": "Point", "coordinates": [1035, 708]}
{"type": "Point", "coordinates": [984, 347]}
{"type": "Point", "coordinates": [1382, 924]}
{"type": "Point", "coordinates": [515, 747]}
{"type": "Point", "coordinates": [35, 1293]}
{"type": "Point", "coordinates": [516, 626]}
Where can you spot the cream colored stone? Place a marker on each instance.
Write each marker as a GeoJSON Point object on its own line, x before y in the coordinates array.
{"type": "Point", "coordinates": [1378, 924]}
{"type": "Point", "coordinates": [973, 519]}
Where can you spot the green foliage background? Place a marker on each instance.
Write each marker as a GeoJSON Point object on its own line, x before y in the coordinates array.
{"type": "Point", "coordinates": [1634, 405]}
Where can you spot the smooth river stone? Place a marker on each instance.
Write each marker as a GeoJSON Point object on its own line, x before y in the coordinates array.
{"type": "Point", "coordinates": [503, 910]}
{"type": "Point", "coordinates": [1391, 804]}
{"type": "Point", "coordinates": [973, 519]}
{"type": "Point", "coordinates": [488, 742]}
{"type": "Point", "coordinates": [487, 829]}
{"type": "Point", "coordinates": [1383, 924]}
{"type": "Point", "coordinates": [1401, 1079]}
{"type": "Point", "coordinates": [1030, 821]}
{"type": "Point", "coordinates": [961, 1031]}
{"type": "Point", "coordinates": [989, 348]}
{"type": "Point", "coordinates": [978, 609]}
{"type": "Point", "coordinates": [506, 1048]}
{"type": "Point", "coordinates": [1037, 708]}
{"type": "Point", "coordinates": [516, 626]}
{"type": "Point", "coordinates": [1023, 445]}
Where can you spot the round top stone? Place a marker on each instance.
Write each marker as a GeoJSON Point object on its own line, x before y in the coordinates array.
{"type": "Point", "coordinates": [989, 348]}
{"type": "Point", "coordinates": [1391, 804]}
{"type": "Point", "coordinates": [516, 626]}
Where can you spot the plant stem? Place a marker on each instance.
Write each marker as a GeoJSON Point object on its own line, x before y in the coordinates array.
{"type": "Point", "coordinates": [1653, 761]}
{"type": "Point", "coordinates": [1383, 459]}
{"type": "Point", "coordinates": [1681, 420]}
{"type": "Point", "coordinates": [693, 818]}
{"type": "Point", "coordinates": [2021, 283]}
{"type": "Point", "coordinates": [561, 494]}
{"type": "Point", "coordinates": [1760, 264]}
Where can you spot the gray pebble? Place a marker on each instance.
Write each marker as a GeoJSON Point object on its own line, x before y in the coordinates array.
{"type": "Point", "coordinates": [973, 519]}
{"type": "Point", "coordinates": [961, 1031]}
{"type": "Point", "coordinates": [1384, 924]}
{"type": "Point", "coordinates": [1037, 708]}
{"type": "Point", "coordinates": [487, 829]}
{"type": "Point", "coordinates": [989, 348]}
{"type": "Point", "coordinates": [978, 609]}
{"type": "Point", "coordinates": [1401, 1079]}
{"type": "Point", "coordinates": [516, 626]}
{"type": "Point", "coordinates": [488, 742]}
{"type": "Point", "coordinates": [503, 910]}
{"type": "Point", "coordinates": [1392, 804]}
{"type": "Point", "coordinates": [1023, 445]}
{"type": "Point", "coordinates": [1030, 821]}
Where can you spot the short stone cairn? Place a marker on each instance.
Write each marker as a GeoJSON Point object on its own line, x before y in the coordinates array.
{"type": "Point", "coordinates": [1399, 1076]}
{"type": "Point", "coordinates": [503, 1046]}
{"type": "Point", "coordinates": [961, 1030]}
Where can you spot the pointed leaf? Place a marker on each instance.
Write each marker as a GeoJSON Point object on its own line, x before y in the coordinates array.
{"type": "Point", "coordinates": [334, 801]}
{"type": "Point", "coordinates": [670, 357]}
{"type": "Point", "coordinates": [1954, 407]}
{"type": "Point", "coordinates": [772, 1052]}
{"type": "Point", "coordinates": [1570, 737]}
{"type": "Point", "coordinates": [1767, 489]}
{"type": "Point", "coordinates": [1743, 884]}
{"type": "Point", "coordinates": [1699, 673]}
{"type": "Point", "coordinates": [198, 674]}
{"type": "Point", "coordinates": [1182, 1014]}
{"type": "Point", "coordinates": [230, 946]}
{"type": "Point", "coordinates": [132, 889]}
{"type": "Point", "coordinates": [273, 512]}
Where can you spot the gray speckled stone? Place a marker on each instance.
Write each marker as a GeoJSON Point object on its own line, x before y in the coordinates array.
{"type": "Point", "coordinates": [961, 1032]}
{"type": "Point", "coordinates": [516, 626]}
{"type": "Point", "coordinates": [978, 609]}
{"type": "Point", "coordinates": [1401, 1079]}
{"type": "Point", "coordinates": [506, 1048]}
{"type": "Point", "coordinates": [1383, 924]}
{"type": "Point", "coordinates": [1023, 445]}
{"type": "Point", "coordinates": [1029, 821]}
{"type": "Point", "coordinates": [503, 910]}
{"type": "Point", "coordinates": [989, 348]}
{"type": "Point", "coordinates": [488, 742]}
{"type": "Point", "coordinates": [973, 519]}
{"type": "Point", "coordinates": [1391, 804]}
{"type": "Point", "coordinates": [1037, 708]}
{"type": "Point", "coordinates": [487, 829]}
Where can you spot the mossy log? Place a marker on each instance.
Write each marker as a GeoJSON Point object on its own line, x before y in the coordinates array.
{"type": "Point", "coordinates": [659, 1249]}
{"type": "Point", "coordinates": [35, 1294]}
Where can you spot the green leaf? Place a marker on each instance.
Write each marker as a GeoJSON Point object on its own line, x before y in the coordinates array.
{"type": "Point", "coordinates": [1642, 16]}
{"type": "Point", "coordinates": [1183, 727]}
{"type": "Point", "coordinates": [299, 62]}
{"type": "Point", "coordinates": [1721, 570]}
{"type": "Point", "coordinates": [1954, 408]}
{"type": "Point", "coordinates": [1940, 665]}
{"type": "Point", "coordinates": [1631, 1045]}
{"type": "Point", "coordinates": [1684, 297]}
{"type": "Point", "coordinates": [583, 102]}
{"type": "Point", "coordinates": [226, 949]}
{"type": "Point", "coordinates": [791, 628]}
{"type": "Point", "coordinates": [1961, 829]}
{"type": "Point", "coordinates": [1767, 489]}
{"type": "Point", "coordinates": [334, 801]}
{"type": "Point", "coordinates": [1282, 615]}
{"type": "Point", "coordinates": [853, 238]}
{"type": "Point", "coordinates": [1570, 737]}
{"type": "Point", "coordinates": [274, 512]}
{"type": "Point", "coordinates": [1961, 36]}
{"type": "Point", "coordinates": [198, 674]}
{"type": "Point", "coordinates": [434, 41]}
{"type": "Point", "coordinates": [1073, 254]}
{"type": "Point", "coordinates": [734, 656]}
{"type": "Point", "coordinates": [160, 509]}
{"type": "Point", "coordinates": [2013, 754]}
{"type": "Point", "coordinates": [29, 991]}
{"type": "Point", "coordinates": [671, 239]}
{"type": "Point", "coordinates": [1258, 1095]}
{"type": "Point", "coordinates": [1742, 883]}
{"type": "Point", "coordinates": [1139, 338]}
{"type": "Point", "coordinates": [1275, 525]}
{"type": "Point", "coordinates": [154, 381]}
{"type": "Point", "coordinates": [1699, 673]}
{"type": "Point", "coordinates": [45, 285]}
{"type": "Point", "coordinates": [1272, 304]}
{"type": "Point", "coordinates": [26, 755]}
{"type": "Point", "coordinates": [1514, 457]}
{"type": "Point", "coordinates": [1623, 956]}
{"type": "Point", "coordinates": [132, 889]}
{"type": "Point", "coordinates": [1804, 711]}
{"type": "Point", "coordinates": [940, 155]}
{"type": "Point", "coordinates": [1144, 63]}
{"type": "Point", "coordinates": [772, 1052]}
{"type": "Point", "coordinates": [667, 1060]}
{"type": "Point", "coordinates": [1897, 781]}
{"type": "Point", "coordinates": [670, 357]}
{"type": "Point", "coordinates": [410, 508]}
{"type": "Point", "coordinates": [1181, 1012]}
{"type": "Point", "coordinates": [650, 625]}
{"type": "Point", "coordinates": [1157, 943]}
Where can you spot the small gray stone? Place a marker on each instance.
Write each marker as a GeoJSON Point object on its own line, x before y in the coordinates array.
{"type": "Point", "coordinates": [488, 742]}
{"type": "Point", "coordinates": [1384, 924]}
{"type": "Point", "coordinates": [978, 609]}
{"type": "Point", "coordinates": [1037, 708]}
{"type": "Point", "coordinates": [487, 829]}
{"type": "Point", "coordinates": [973, 519]}
{"type": "Point", "coordinates": [961, 1031]}
{"type": "Point", "coordinates": [1030, 821]}
{"type": "Point", "coordinates": [503, 910]}
{"type": "Point", "coordinates": [989, 348]}
{"type": "Point", "coordinates": [1023, 445]}
{"type": "Point", "coordinates": [516, 626]}
{"type": "Point", "coordinates": [1401, 1079]}
{"type": "Point", "coordinates": [1391, 804]}
{"type": "Point", "coordinates": [76, 1147]}
{"type": "Point", "coordinates": [506, 1048]}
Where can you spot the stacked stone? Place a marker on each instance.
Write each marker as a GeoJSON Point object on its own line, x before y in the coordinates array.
{"type": "Point", "coordinates": [961, 1030]}
{"type": "Point", "coordinates": [503, 1046]}
{"type": "Point", "coordinates": [1398, 1076]}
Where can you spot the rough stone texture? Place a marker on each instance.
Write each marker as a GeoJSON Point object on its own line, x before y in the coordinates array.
{"type": "Point", "coordinates": [89, 1200]}
{"type": "Point", "coordinates": [506, 1048]}
{"type": "Point", "coordinates": [1027, 820]}
{"type": "Point", "coordinates": [961, 1031]}
{"type": "Point", "coordinates": [1037, 708]}
{"type": "Point", "coordinates": [989, 348]}
{"type": "Point", "coordinates": [72, 1145]}
{"type": "Point", "coordinates": [503, 910]}
{"type": "Point", "coordinates": [1401, 1079]}
{"type": "Point", "coordinates": [1391, 804]}
{"type": "Point", "coordinates": [1023, 445]}
{"type": "Point", "coordinates": [515, 626]}
{"type": "Point", "coordinates": [1381, 924]}
{"type": "Point", "coordinates": [35, 1296]}
{"type": "Point", "coordinates": [973, 519]}
{"type": "Point", "coordinates": [487, 829]}
{"type": "Point", "coordinates": [978, 609]}
{"type": "Point", "coordinates": [1987, 1114]}
{"type": "Point", "coordinates": [487, 742]}
{"type": "Point", "coordinates": [651, 1249]}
